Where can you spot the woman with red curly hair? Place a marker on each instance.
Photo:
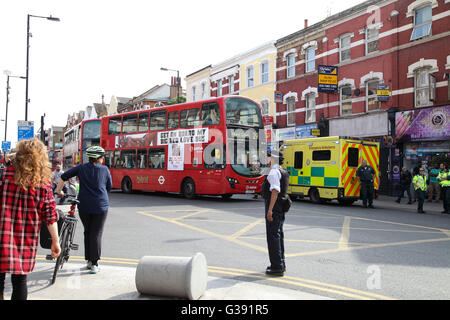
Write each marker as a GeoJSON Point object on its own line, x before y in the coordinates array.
{"type": "Point", "coordinates": [26, 199]}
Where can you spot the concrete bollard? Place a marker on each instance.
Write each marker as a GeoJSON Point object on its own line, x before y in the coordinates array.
{"type": "Point", "coordinates": [182, 277]}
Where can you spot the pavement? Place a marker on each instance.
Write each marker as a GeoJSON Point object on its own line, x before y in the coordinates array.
{"type": "Point", "coordinates": [74, 282]}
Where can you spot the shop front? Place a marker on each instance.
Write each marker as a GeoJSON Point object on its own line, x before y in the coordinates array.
{"type": "Point", "coordinates": [423, 138]}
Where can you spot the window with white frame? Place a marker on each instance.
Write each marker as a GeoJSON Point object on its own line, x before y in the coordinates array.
{"type": "Point", "coordinates": [344, 47]}
{"type": "Point", "coordinates": [203, 90]}
{"type": "Point", "coordinates": [424, 87]}
{"type": "Point", "coordinates": [372, 36]}
{"type": "Point", "coordinates": [372, 102]}
{"type": "Point", "coordinates": [310, 108]}
{"type": "Point", "coordinates": [230, 84]}
{"type": "Point", "coordinates": [346, 100]}
{"type": "Point", "coordinates": [422, 23]}
{"type": "Point", "coordinates": [264, 72]}
{"type": "Point", "coordinates": [265, 107]}
{"type": "Point", "coordinates": [310, 57]}
{"type": "Point", "coordinates": [193, 93]}
{"type": "Point", "coordinates": [219, 88]}
{"type": "Point", "coordinates": [290, 65]}
{"type": "Point", "coordinates": [290, 111]}
{"type": "Point", "coordinates": [250, 77]}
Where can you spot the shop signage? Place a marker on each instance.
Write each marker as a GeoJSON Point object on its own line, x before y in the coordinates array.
{"type": "Point", "coordinates": [267, 120]}
{"type": "Point", "coordinates": [306, 131]}
{"type": "Point", "coordinates": [328, 79]}
{"type": "Point", "coordinates": [383, 92]}
{"type": "Point", "coordinates": [422, 125]}
{"type": "Point", "coordinates": [286, 134]}
{"type": "Point", "coordinates": [278, 96]}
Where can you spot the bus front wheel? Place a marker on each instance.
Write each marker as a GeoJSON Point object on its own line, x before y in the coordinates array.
{"type": "Point", "coordinates": [188, 188]}
{"type": "Point", "coordinates": [126, 185]}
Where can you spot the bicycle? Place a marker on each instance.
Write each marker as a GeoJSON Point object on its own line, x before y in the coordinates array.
{"type": "Point", "coordinates": [66, 235]}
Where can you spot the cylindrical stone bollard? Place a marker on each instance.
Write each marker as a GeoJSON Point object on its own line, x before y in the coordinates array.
{"type": "Point", "coordinates": [182, 277]}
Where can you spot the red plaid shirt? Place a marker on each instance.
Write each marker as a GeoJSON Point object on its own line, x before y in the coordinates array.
{"type": "Point", "coordinates": [21, 213]}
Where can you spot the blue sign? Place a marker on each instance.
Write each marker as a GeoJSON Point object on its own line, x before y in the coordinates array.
{"type": "Point", "coordinates": [303, 132]}
{"type": "Point", "coordinates": [6, 146]}
{"type": "Point", "coordinates": [278, 96]}
{"type": "Point", "coordinates": [25, 132]}
{"type": "Point", "coordinates": [383, 92]}
{"type": "Point", "coordinates": [328, 79]}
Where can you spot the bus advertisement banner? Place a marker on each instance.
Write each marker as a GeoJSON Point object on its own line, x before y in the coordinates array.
{"type": "Point", "coordinates": [175, 157]}
{"type": "Point", "coordinates": [185, 136]}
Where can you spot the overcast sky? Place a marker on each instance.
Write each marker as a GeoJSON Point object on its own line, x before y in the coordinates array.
{"type": "Point", "coordinates": [116, 48]}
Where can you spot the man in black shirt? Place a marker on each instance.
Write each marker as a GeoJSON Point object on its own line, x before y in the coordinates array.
{"type": "Point", "coordinates": [366, 174]}
{"type": "Point", "coordinates": [405, 185]}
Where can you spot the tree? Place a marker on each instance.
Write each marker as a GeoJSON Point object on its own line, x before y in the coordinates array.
{"type": "Point", "coordinates": [174, 100]}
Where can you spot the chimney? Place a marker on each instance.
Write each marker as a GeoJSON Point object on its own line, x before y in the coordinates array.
{"type": "Point", "coordinates": [306, 23]}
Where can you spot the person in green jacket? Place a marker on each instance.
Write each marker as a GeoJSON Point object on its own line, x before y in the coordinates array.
{"type": "Point", "coordinates": [420, 186]}
{"type": "Point", "coordinates": [444, 181]}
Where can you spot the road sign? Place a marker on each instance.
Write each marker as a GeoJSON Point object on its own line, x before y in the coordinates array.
{"type": "Point", "coordinates": [383, 92]}
{"type": "Point", "coordinates": [6, 146]}
{"type": "Point", "coordinates": [25, 130]}
{"type": "Point", "coordinates": [328, 79]}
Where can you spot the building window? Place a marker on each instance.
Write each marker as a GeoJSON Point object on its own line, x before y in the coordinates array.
{"type": "Point", "coordinates": [193, 93]}
{"type": "Point", "coordinates": [310, 58]}
{"type": "Point", "coordinates": [310, 108]}
{"type": "Point", "coordinates": [372, 40]}
{"type": "Point", "coordinates": [203, 90]}
{"type": "Point", "coordinates": [422, 23]}
{"type": "Point", "coordinates": [230, 84]}
{"type": "Point", "coordinates": [250, 78]}
{"type": "Point", "coordinates": [344, 47]}
{"type": "Point", "coordinates": [346, 100]}
{"type": "Point", "coordinates": [219, 88]}
{"type": "Point", "coordinates": [290, 111]}
{"type": "Point", "coordinates": [265, 107]}
{"type": "Point", "coordinates": [290, 65]}
{"type": "Point", "coordinates": [372, 102]}
{"type": "Point", "coordinates": [264, 72]}
{"type": "Point", "coordinates": [424, 87]}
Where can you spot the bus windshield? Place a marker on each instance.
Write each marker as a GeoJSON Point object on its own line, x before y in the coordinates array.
{"type": "Point", "coordinates": [91, 136]}
{"type": "Point", "coordinates": [243, 113]}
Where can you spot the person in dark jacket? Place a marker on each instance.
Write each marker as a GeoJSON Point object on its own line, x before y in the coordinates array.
{"type": "Point", "coordinates": [95, 183]}
{"type": "Point", "coordinates": [405, 185]}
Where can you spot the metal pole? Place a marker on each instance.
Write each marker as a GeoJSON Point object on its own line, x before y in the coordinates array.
{"type": "Point", "coordinates": [7, 101]}
{"type": "Point", "coordinates": [26, 72]}
{"type": "Point", "coordinates": [178, 86]}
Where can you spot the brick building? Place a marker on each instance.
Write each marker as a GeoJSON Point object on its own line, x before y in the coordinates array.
{"type": "Point", "coordinates": [400, 43]}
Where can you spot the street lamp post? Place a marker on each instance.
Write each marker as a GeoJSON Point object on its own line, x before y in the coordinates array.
{"type": "Point", "coordinates": [8, 75]}
{"type": "Point", "coordinates": [178, 82]}
{"type": "Point", "coordinates": [28, 56]}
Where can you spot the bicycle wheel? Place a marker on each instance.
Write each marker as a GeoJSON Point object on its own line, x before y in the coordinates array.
{"type": "Point", "coordinates": [65, 249]}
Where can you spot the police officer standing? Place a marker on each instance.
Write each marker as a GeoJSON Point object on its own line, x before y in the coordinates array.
{"type": "Point", "coordinates": [444, 182]}
{"type": "Point", "coordinates": [365, 174]}
{"type": "Point", "coordinates": [420, 186]}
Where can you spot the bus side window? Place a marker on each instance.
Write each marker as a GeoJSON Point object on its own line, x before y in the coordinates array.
{"type": "Point", "coordinates": [158, 120]}
{"type": "Point", "coordinates": [190, 118]}
{"type": "Point", "coordinates": [115, 126]}
{"type": "Point", "coordinates": [210, 114]}
{"type": "Point", "coordinates": [130, 124]}
{"type": "Point", "coordinates": [117, 160]}
{"type": "Point", "coordinates": [128, 159]}
{"type": "Point", "coordinates": [109, 158]}
{"type": "Point", "coordinates": [321, 155]}
{"type": "Point", "coordinates": [173, 120]}
{"type": "Point", "coordinates": [298, 160]}
{"type": "Point", "coordinates": [353, 157]}
{"type": "Point", "coordinates": [142, 159]}
{"type": "Point", "coordinates": [143, 121]}
{"type": "Point", "coordinates": [156, 159]}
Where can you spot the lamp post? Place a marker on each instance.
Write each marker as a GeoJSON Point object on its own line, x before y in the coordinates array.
{"type": "Point", "coordinates": [8, 75]}
{"type": "Point", "coordinates": [178, 82]}
{"type": "Point", "coordinates": [28, 55]}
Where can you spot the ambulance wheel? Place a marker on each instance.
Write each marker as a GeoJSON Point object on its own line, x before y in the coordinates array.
{"type": "Point", "coordinates": [126, 185]}
{"type": "Point", "coordinates": [188, 188]}
{"type": "Point", "coordinates": [314, 195]}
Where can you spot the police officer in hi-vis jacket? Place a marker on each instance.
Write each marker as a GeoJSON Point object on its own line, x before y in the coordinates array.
{"type": "Point", "coordinates": [420, 186]}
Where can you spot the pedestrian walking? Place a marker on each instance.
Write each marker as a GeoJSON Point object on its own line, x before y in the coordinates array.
{"type": "Point", "coordinates": [27, 200]}
{"type": "Point", "coordinates": [434, 187]}
{"type": "Point", "coordinates": [420, 187]}
{"type": "Point", "coordinates": [274, 188]}
{"type": "Point", "coordinates": [95, 183]}
{"type": "Point", "coordinates": [444, 181]}
{"type": "Point", "coordinates": [365, 174]}
{"type": "Point", "coordinates": [405, 185]}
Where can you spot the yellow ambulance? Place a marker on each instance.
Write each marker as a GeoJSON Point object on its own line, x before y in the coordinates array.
{"type": "Point", "coordinates": [324, 168]}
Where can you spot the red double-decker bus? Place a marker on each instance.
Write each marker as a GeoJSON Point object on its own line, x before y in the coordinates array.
{"type": "Point", "coordinates": [77, 139]}
{"type": "Point", "coordinates": [209, 147]}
